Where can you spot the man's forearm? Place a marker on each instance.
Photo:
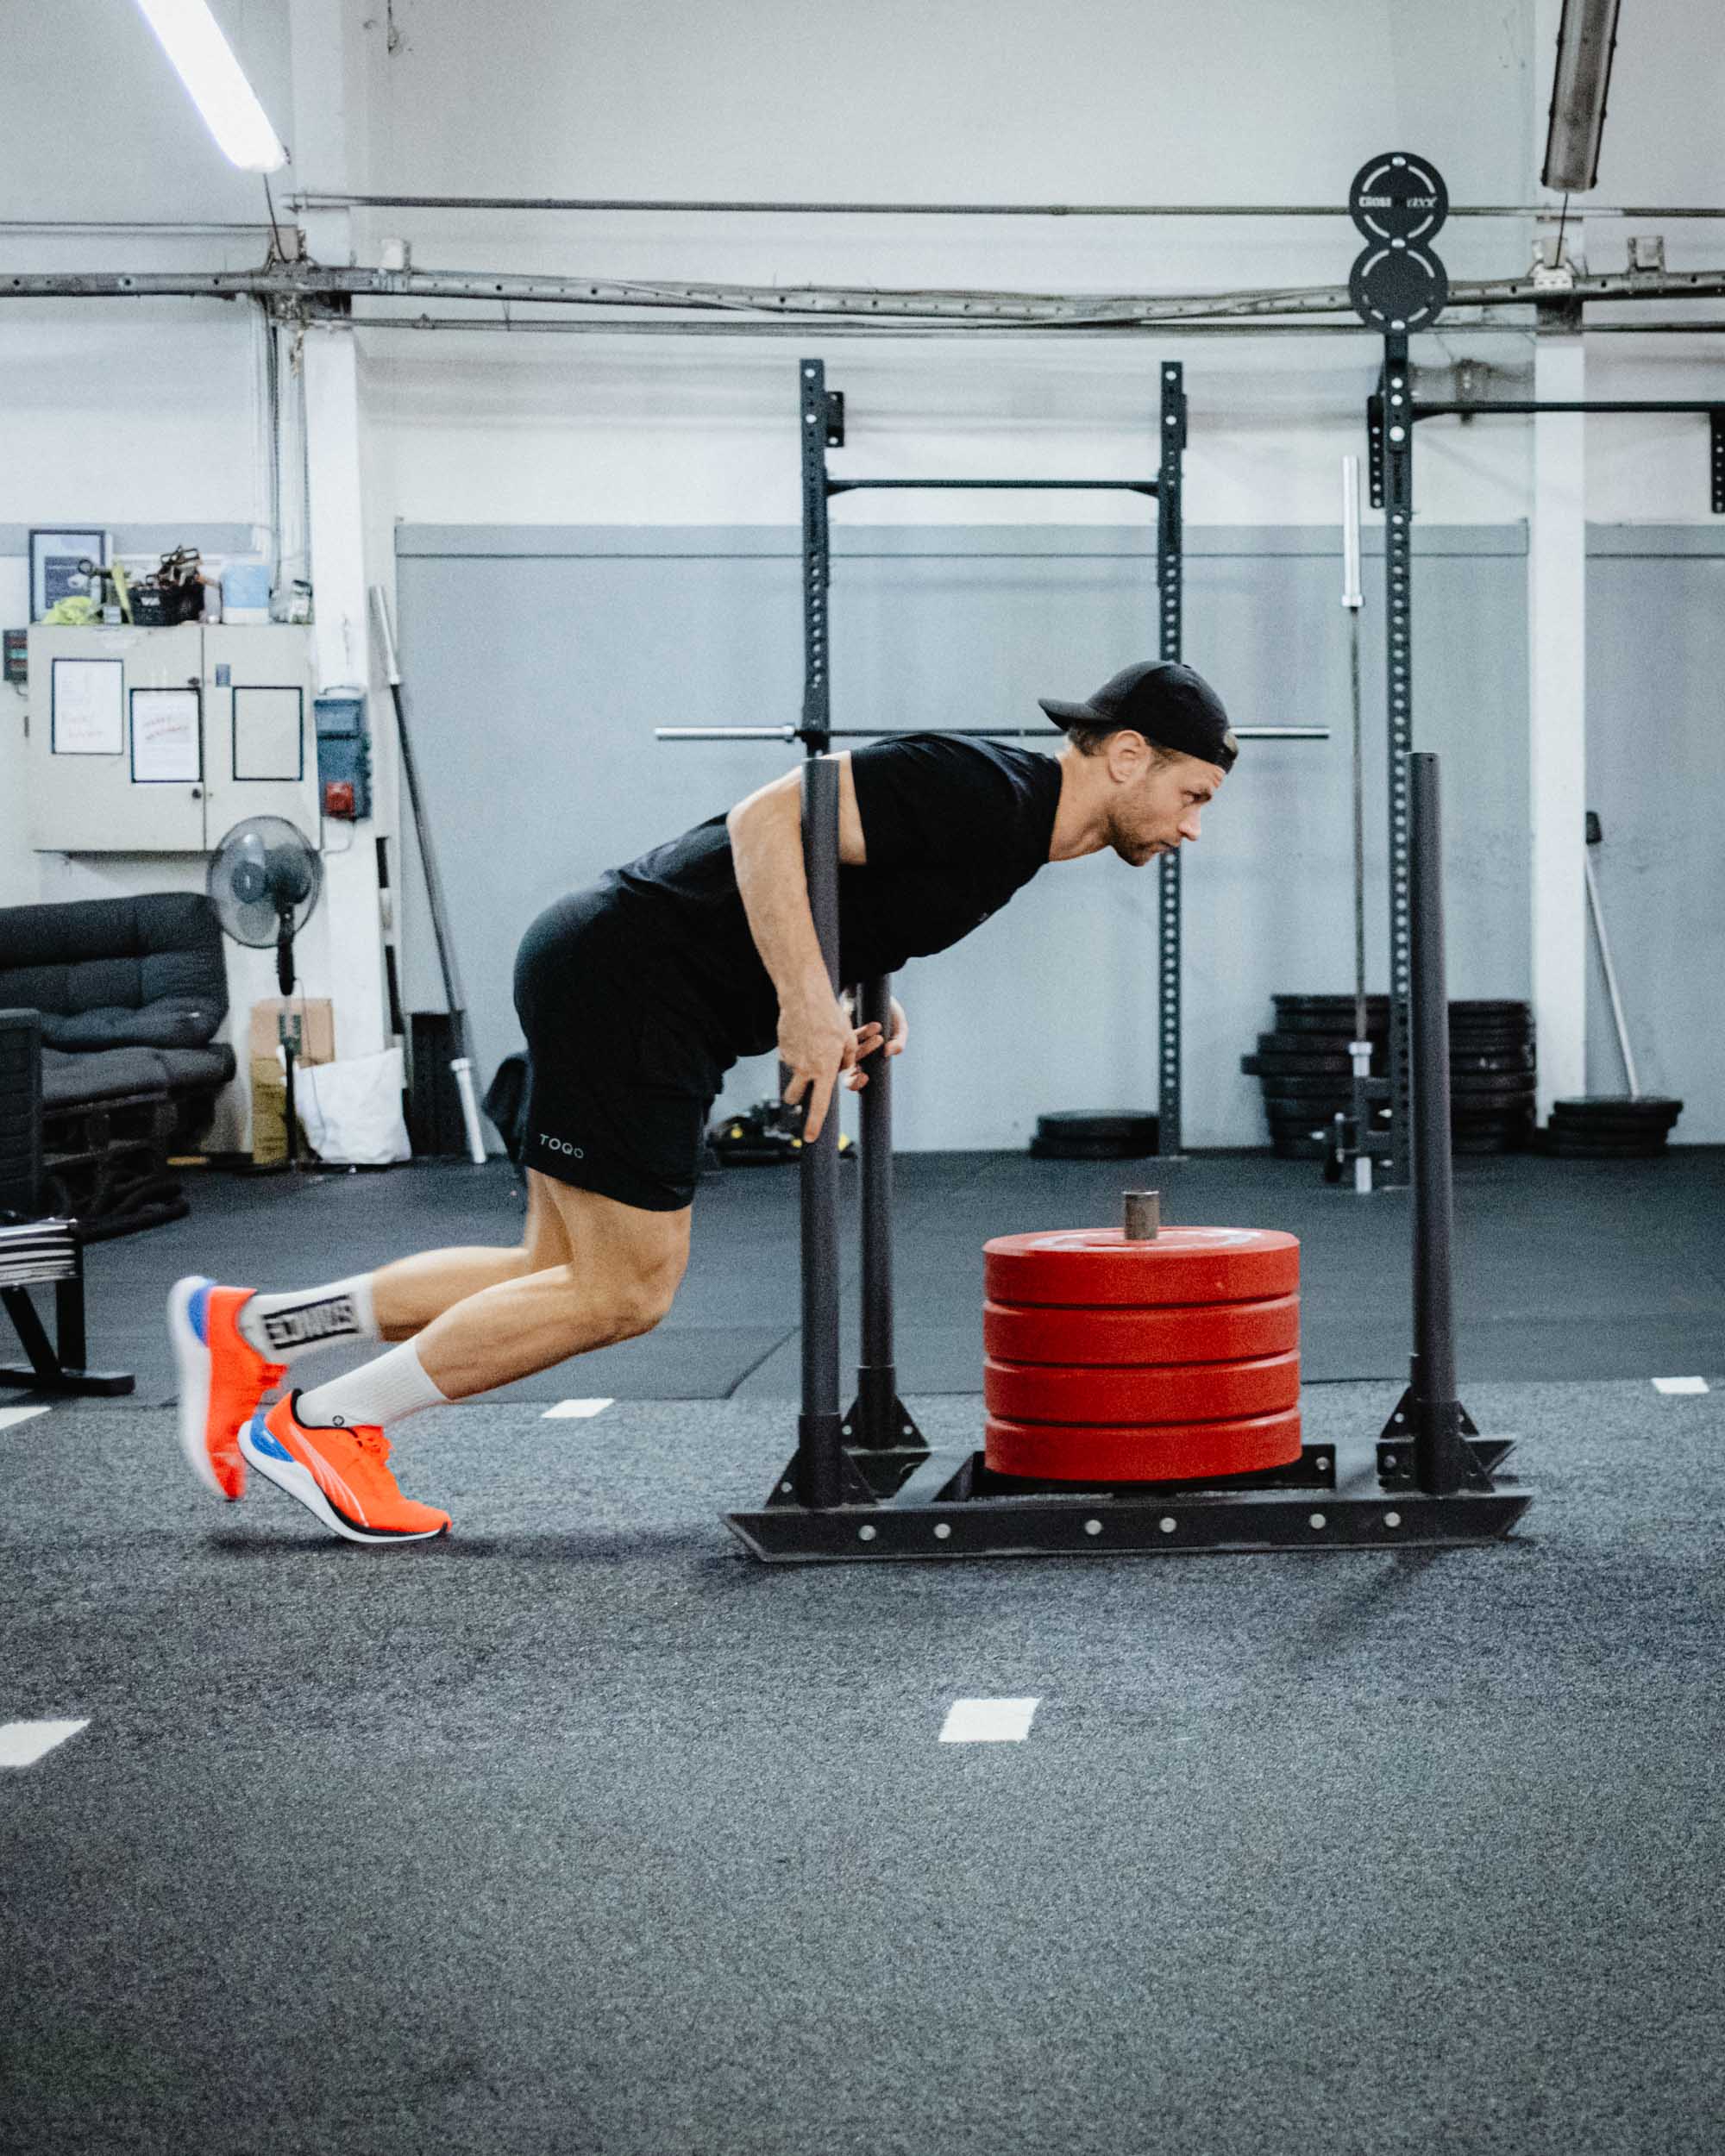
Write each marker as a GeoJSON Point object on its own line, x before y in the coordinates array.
{"type": "Point", "coordinates": [767, 850]}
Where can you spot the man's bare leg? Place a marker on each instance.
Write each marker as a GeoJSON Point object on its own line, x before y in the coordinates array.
{"type": "Point", "coordinates": [624, 1269]}
{"type": "Point", "coordinates": [397, 1301]}
{"type": "Point", "coordinates": [408, 1295]}
{"type": "Point", "coordinates": [591, 1270]}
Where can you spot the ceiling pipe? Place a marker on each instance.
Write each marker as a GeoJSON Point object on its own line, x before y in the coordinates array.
{"type": "Point", "coordinates": [519, 325]}
{"type": "Point", "coordinates": [309, 199]}
{"type": "Point", "coordinates": [304, 284]}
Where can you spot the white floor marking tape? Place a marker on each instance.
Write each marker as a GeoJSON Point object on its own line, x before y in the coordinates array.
{"type": "Point", "coordinates": [1680, 1385]}
{"type": "Point", "coordinates": [989, 1721]}
{"type": "Point", "coordinates": [580, 1410]}
{"type": "Point", "coordinates": [22, 1744]}
{"type": "Point", "coordinates": [9, 1417]}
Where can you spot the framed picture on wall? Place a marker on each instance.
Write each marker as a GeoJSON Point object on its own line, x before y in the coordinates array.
{"type": "Point", "coordinates": [168, 736]}
{"type": "Point", "coordinates": [54, 556]}
{"type": "Point", "coordinates": [86, 714]}
{"type": "Point", "coordinates": [269, 733]}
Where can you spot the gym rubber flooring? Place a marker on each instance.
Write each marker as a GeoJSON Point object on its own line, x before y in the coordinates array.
{"type": "Point", "coordinates": [581, 1833]}
{"type": "Point", "coordinates": [1564, 1268]}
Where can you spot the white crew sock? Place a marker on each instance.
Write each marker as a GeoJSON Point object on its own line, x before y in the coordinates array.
{"type": "Point", "coordinates": [284, 1328]}
{"type": "Point", "coordinates": [382, 1392]}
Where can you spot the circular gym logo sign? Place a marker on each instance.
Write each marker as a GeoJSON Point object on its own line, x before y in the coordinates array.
{"type": "Point", "coordinates": [1399, 203]}
{"type": "Point", "coordinates": [560, 1145]}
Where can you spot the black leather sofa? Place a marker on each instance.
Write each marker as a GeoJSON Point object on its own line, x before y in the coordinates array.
{"type": "Point", "coordinates": [108, 1061]}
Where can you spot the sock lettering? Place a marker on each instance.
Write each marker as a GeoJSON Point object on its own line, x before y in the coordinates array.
{"type": "Point", "coordinates": [311, 1321]}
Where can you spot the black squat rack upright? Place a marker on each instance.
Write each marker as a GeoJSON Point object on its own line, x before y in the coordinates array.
{"type": "Point", "coordinates": [823, 428]}
{"type": "Point", "coordinates": [821, 419]}
{"type": "Point", "coordinates": [866, 1485]}
{"type": "Point", "coordinates": [1399, 203]}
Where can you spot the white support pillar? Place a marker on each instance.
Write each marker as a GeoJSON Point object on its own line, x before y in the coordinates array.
{"type": "Point", "coordinates": [325, 156]}
{"type": "Point", "coordinates": [354, 939]}
{"type": "Point", "coordinates": [1557, 702]}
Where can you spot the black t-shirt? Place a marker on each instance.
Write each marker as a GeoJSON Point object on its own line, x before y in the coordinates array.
{"type": "Point", "coordinates": [952, 827]}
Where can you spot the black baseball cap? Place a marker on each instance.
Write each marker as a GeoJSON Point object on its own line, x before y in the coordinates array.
{"type": "Point", "coordinates": [1168, 704]}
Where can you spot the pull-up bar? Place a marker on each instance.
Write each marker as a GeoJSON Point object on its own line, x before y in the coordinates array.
{"type": "Point", "coordinates": [1387, 427]}
{"type": "Point", "coordinates": [962, 733]}
{"type": "Point", "coordinates": [1079, 486]}
{"type": "Point", "coordinates": [1522, 406]}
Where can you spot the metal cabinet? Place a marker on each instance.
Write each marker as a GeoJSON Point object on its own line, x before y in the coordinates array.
{"type": "Point", "coordinates": [260, 743]}
{"type": "Point", "coordinates": [161, 740]}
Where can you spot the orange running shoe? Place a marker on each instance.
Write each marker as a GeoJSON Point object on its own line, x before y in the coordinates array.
{"type": "Point", "coordinates": [222, 1379]}
{"type": "Point", "coordinates": [340, 1474]}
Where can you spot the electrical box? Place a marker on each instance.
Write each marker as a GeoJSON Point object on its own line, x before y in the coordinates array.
{"type": "Point", "coordinates": [161, 740]}
{"type": "Point", "coordinates": [344, 754]}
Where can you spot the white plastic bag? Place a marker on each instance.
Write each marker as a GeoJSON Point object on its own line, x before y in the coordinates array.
{"type": "Point", "coordinates": [351, 1111]}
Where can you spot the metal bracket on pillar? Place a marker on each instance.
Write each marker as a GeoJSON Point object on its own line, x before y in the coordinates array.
{"type": "Point", "coordinates": [883, 1447]}
{"type": "Point", "coordinates": [878, 1420]}
{"type": "Point", "coordinates": [1561, 317]}
{"type": "Point", "coordinates": [1374, 445]}
{"type": "Point", "coordinates": [1397, 1443]}
{"type": "Point", "coordinates": [1715, 428]}
{"type": "Point", "coordinates": [1169, 576]}
{"type": "Point", "coordinates": [854, 1488]}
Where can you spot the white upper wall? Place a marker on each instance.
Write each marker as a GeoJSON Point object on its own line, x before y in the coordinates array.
{"type": "Point", "coordinates": [97, 124]}
{"type": "Point", "coordinates": [126, 411]}
{"type": "Point", "coordinates": [123, 410]}
{"type": "Point", "coordinates": [1105, 100]}
{"type": "Point", "coordinates": [1016, 102]}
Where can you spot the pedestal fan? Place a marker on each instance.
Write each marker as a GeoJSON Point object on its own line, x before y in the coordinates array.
{"type": "Point", "coordinates": [264, 879]}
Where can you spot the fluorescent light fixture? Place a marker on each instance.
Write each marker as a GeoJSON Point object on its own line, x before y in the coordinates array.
{"type": "Point", "coordinates": [1587, 37]}
{"type": "Point", "coordinates": [192, 40]}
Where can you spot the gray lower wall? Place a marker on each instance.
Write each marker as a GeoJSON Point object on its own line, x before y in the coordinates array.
{"type": "Point", "coordinates": [1656, 777]}
{"type": "Point", "coordinates": [538, 660]}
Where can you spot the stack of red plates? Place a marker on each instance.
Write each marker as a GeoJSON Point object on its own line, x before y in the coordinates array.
{"type": "Point", "coordinates": [1164, 1360]}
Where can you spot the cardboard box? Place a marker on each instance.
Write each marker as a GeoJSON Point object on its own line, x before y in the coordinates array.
{"type": "Point", "coordinates": [269, 1079]}
{"type": "Point", "coordinates": [316, 1016]}
{"type": "Point", "coordinates": [269, 1113]}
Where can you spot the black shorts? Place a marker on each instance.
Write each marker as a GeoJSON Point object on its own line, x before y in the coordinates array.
{"type": "Point", "coordinates": [621, 1072]}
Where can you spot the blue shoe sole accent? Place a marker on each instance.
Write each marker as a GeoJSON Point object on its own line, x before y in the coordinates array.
{"type": "Point", "coordinates": [198, 1312]}
{"type": "Point", "coordinates": [264, 1441]}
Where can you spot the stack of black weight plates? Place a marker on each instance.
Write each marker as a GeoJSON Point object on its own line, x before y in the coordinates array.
{"type": "Point", "coordinates": [1095, 1134]}
{"type": "Point", "coordinates": [1599, 1127]}
{"type": "Point", "coordinates": [1492, 1078]}
{"type": "Point", "coordinates": [1305, 1070]}
{"type": "Point", "coordinates": [1307, 1076]}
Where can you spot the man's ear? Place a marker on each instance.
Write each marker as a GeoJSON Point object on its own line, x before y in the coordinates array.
{"type": "Point", "coordinates": [1128, 754]}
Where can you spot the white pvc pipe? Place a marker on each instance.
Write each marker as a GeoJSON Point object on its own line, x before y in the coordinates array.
{"type": "Point", "coordinates": [1351, 591]}
{"type": "Point", "coordinates": [1610, 976]}
{"type": "Point", "coordinates": [470, 1114]}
